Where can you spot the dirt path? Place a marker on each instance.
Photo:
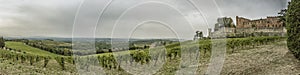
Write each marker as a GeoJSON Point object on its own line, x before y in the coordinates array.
{"type": "Point", "coordinates": [272, 59]}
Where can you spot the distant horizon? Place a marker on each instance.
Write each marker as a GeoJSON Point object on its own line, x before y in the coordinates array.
{"type": "Point", "coordinates": [45, 37]}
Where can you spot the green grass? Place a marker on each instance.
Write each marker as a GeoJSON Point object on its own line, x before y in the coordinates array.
{"type": "Point", "coordinates": [28, 49]}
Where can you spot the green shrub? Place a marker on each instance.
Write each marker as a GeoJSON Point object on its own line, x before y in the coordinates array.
{"type": "Point", "coordinates": [140, 56]}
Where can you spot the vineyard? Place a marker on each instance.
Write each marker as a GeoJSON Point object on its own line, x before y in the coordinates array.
{"type": "Point", "coordinates": [21, 53]}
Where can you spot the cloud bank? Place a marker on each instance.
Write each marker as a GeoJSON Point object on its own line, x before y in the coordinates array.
{"type": "Point", "coordinates": [55, 18]}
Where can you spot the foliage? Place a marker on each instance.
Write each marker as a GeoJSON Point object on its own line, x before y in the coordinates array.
{"type": "Point", "coordinates": [250, 42]}
{"type": "Point", "coordinates": [140, 56]}
{"type": "Point", "coordinates": [292, 17]}
{"type": "Point", "coordinates": [107, 61]}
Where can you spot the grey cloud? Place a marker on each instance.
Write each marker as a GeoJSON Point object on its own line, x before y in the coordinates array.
{"type": "Point", "coordinates": [56, 17]}
{"type": "Point", "coordinates": [41, 18]}
{"type": "Point", "coordinates": [253, 9]}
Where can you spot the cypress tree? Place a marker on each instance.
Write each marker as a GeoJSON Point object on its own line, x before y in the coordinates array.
{"type": "Point", "coordinates": [292, 17]}
{"type": "Point", "coordinates": [2, 42]}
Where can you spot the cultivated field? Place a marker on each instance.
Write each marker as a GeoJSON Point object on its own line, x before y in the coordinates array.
{"type": "Point", "coordinates": [259, 58]}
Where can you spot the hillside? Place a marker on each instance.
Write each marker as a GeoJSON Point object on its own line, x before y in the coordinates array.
{"type": "Point", "coordinates": [10, 66]}
{"type": "Point", "coordinates": [28, 49]}
{"type": "Point", "coordinates": [272, 59]}
{"type": "Point", "coordinates": [261, 60]}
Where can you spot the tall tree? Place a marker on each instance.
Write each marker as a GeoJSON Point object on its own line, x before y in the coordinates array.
{"type": "Point", "coordinates": [292, 17]}
{"type": "Point", "coordinates": [2, 42]}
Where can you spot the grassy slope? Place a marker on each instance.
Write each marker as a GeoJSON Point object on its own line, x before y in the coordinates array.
{"type": "Point", "coordinates": [29, 49]}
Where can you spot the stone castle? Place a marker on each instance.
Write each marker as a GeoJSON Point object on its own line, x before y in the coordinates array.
{"type": "Point", "coordinates": [270, 26]}
{"type": "Point", "coordinates": [269, 22]}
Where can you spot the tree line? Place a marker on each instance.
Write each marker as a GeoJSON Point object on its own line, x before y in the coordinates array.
{"type": "Point", "coordinates": [52, 49]}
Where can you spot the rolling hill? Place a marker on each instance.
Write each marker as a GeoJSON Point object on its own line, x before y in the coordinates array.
{"type": "Point", "coordinates": [28, 49]}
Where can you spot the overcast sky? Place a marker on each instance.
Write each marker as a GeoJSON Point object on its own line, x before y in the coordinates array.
{"type": "Point", "coordinates": [124, 18]}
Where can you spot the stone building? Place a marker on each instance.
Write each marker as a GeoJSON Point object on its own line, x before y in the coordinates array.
{"type": "Point", "coordinates": [269, 22]}
{"type": "Point", "coordinates": [269, 26]}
